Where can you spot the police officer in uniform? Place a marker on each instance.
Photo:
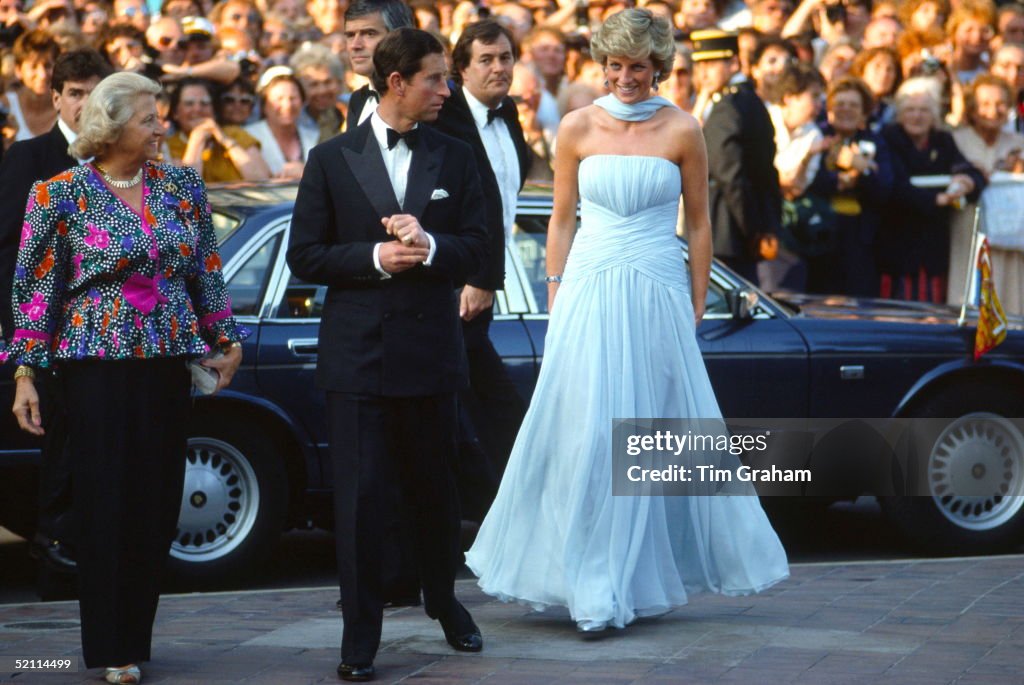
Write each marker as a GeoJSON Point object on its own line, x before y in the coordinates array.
{"type": "Point", "coordinates": [745, 199]}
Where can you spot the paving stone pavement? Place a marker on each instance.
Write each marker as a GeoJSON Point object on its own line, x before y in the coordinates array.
{"type": "Point", "coordinates": [918, 622]}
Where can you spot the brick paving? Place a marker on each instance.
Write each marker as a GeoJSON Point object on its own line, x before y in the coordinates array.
{"type": "Point", "coordinates": [907, 622]}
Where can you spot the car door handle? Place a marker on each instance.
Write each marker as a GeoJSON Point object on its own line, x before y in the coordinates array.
{"type": "Point", "coordinates": [304, 347]}
{"type": "Point", "coordinates": [851, 372]}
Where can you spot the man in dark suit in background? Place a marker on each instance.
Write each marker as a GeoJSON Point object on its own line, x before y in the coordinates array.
{"type": "Point", "coordinates": [390, 216]}
{"type": "Point", "coordinates": [366, 24]}
{"type": "Point", "coordinates": [75, 74]}
{"type": "Point", "coordinates": [481, 113]}
{"type": "Point", "coordinates": [744, 194]}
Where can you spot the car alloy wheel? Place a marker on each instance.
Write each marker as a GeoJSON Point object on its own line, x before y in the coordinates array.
{"type": "Point", "coordinates": [219, 504]}
{"type": "Point", "coordinates": [975, 472]}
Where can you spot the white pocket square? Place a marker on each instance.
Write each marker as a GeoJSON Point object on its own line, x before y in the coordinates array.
{"type": "Point", "coordinates": [439, 194]}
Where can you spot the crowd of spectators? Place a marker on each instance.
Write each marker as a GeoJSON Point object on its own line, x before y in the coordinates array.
{"type": "Point", "coordinates": [863, 96]}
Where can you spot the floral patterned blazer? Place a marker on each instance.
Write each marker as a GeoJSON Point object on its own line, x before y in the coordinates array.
{"type": "Point", "coordinates": [95, 279]}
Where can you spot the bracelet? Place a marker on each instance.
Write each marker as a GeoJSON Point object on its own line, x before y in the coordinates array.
{"type": "Point", "coordinates": [24, 372]}
{"type": "Point", "coordinates": [553, 279]}
{"type": "Point", "coordinates": [230, 346]}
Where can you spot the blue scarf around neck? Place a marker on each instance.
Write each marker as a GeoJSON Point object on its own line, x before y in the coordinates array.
{"type": "Point", "coordinates": [640, 111]}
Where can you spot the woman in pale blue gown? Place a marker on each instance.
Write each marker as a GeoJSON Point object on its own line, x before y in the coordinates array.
{"type": "Point", "coordinates": [621, 343]}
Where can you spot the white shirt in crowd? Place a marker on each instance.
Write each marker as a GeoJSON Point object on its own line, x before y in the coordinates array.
{"type": "Point", "coordinates": [309, 136]}
{"type": "Point", "coordinates": [792, 147]}
{"type": "Point", "coordinates": [397, 161]}
{"type": "Point", "coordinates": [501, 152]}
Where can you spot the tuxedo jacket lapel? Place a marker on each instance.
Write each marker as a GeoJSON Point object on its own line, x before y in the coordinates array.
{"type": "Point", "coordinates": [367, 164]}
{"type": "Point", "coordinates": [423, 173]}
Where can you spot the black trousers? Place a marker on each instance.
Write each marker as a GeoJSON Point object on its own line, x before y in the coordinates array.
{"type": "Point", "coordinates": [490, 412]}
{"type": "Point", "coordinates": [56, 518]}
{"type": "Point", "coordinates": [126, 443]}
{"type": "Point", "coordinates": [391, 468]}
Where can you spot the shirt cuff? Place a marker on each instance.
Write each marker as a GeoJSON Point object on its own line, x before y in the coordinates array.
{"type": "Point", "coordinates": [376, 262]}
{"type": "Point", "coordinates": [433, 249]}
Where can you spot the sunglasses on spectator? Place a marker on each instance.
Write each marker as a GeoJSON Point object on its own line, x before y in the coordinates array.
{"type": "Point", "coordinates": [229, 99]}
{"type": "Point", "coordinates": [202, 102]}
{"type": "Point", "coordinates": [170, 41]}
{"type": "Point", "coordinates": [132, 11]}
{"type": "Point", "coordinates": [238, 16]}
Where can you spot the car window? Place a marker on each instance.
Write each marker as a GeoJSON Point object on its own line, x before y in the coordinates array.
{"type": "Point", "coordinates": [715, 302]}
{"type": "Point", "coordinates": [249, 283]}
{"type": "Point", "coordinates": [301, 300]}
{"type": "Point", "coordinates": [224, 224]}
{"type": "Point", "coordinates": [529, 237]}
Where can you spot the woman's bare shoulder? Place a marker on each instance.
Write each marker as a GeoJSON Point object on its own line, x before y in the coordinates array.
{"type": "Point", "coordinates": [578, 121]}
{"type": "Point", "coordinates": [679, 120]}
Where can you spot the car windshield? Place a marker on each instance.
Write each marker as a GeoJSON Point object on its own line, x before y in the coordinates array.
{"type": "Point", "coordinates": [226, 197]}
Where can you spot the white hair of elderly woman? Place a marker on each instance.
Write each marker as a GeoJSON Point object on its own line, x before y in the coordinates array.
{"type": "Point", "coordinates": [921, 85]}
{"type": "Point", "coordinates": [316, 55]}
{"type": "Point", "coordinates": [107, 110]}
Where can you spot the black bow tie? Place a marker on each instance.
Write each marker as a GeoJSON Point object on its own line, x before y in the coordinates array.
{"type": "Point", "coordinates": [411, 137]}
{"type": "Point", "coordinates": [372, 94]}
{"type": "Point", "coordinates": [496, 113]}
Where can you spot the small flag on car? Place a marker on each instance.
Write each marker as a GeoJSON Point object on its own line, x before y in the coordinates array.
{"type": "Point", "coordinates": [991, 318]}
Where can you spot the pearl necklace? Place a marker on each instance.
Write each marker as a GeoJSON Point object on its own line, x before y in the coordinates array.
{"type": "Point", "coordinates": [121, 185]}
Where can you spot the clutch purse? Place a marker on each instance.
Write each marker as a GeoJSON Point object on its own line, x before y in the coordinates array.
{"type": "Point", "coordinates": [204, 378]}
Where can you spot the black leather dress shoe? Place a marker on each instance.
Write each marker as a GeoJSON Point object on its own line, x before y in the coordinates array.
{"type": "Point", "coordinates": [355, 673]}
{"type": "Point", "coordinates": [460, 631]}
{"type": "Point", "coordinates": [53, 553]}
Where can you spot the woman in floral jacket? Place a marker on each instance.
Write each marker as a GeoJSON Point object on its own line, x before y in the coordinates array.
{"type": "Point", "coordinates": [117, 285]}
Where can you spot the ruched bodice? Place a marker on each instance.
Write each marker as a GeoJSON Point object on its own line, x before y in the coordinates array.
{"type": "Point", "coordinates": [629, 206]}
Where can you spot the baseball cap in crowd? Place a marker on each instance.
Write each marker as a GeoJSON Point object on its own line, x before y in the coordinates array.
{"type": "Point", "coordinates": [197, 28]}
{"type": "Point", "coordinates": [711, 44]}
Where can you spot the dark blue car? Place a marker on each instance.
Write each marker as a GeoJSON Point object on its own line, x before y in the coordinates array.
{"type": "Point", "coordinates": [258, 463]}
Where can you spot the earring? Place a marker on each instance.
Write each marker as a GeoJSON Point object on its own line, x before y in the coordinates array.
{"type": "Point", "coordinates": [606, 84]}
{"type": "Point", "coordinates": [657, 78]}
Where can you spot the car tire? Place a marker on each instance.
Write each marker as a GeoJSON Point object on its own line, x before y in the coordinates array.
{"type": "Point", "coordinates": [983, 446]}
{"type": "Point", "coordinates": [233, 505]}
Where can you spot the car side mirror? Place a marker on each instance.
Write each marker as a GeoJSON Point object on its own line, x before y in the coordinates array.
{"type": "Point", "coordinates": [741, 303]}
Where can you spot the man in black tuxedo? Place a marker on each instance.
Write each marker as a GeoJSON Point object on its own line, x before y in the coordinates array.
{"type": "Point", "coordinates": [366, 24]}
{"type": "Point", "coordinates": [481, 113]}
{"type": "Point", "coordinates": [390, 216]}
{"type": "Point", "coordinates": [75, 74]}
{"type": "Point", "coordinates": [744, 193]}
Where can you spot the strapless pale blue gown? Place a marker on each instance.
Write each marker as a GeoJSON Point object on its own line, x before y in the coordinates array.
{"type": "Point", "coordinates": [620, 344]}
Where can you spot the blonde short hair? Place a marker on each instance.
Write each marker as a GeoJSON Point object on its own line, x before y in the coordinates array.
{"type": "Point", "coordinates": [107, 110]}
{"type": "Point", "coordinates": [921, 85]}
{"type": "Point", "coordinates": [637, 34]}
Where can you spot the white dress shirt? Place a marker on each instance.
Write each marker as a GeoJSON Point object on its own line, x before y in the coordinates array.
{"type": "Point", "coordinates": [397, 161]}
{"type": "Point", "coordinates": [70, 136]}
{"type": "Point", "coordinates": [501, 153]}
{"type": "Point", "coordinates": [371, 105]}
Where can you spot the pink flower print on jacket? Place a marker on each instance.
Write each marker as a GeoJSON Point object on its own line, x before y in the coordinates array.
{"type": "Point", "coordinates": [35, 309]}
{"type": "Point", "coordinates": [97, 237]}
{"type": "Point", "coordinates": [26, 234]}
{"type": "Point", "coordinates": [77, 261]}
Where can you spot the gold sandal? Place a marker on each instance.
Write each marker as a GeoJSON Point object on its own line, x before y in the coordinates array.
{"type": "Point", "coordinates": [126, 675]}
